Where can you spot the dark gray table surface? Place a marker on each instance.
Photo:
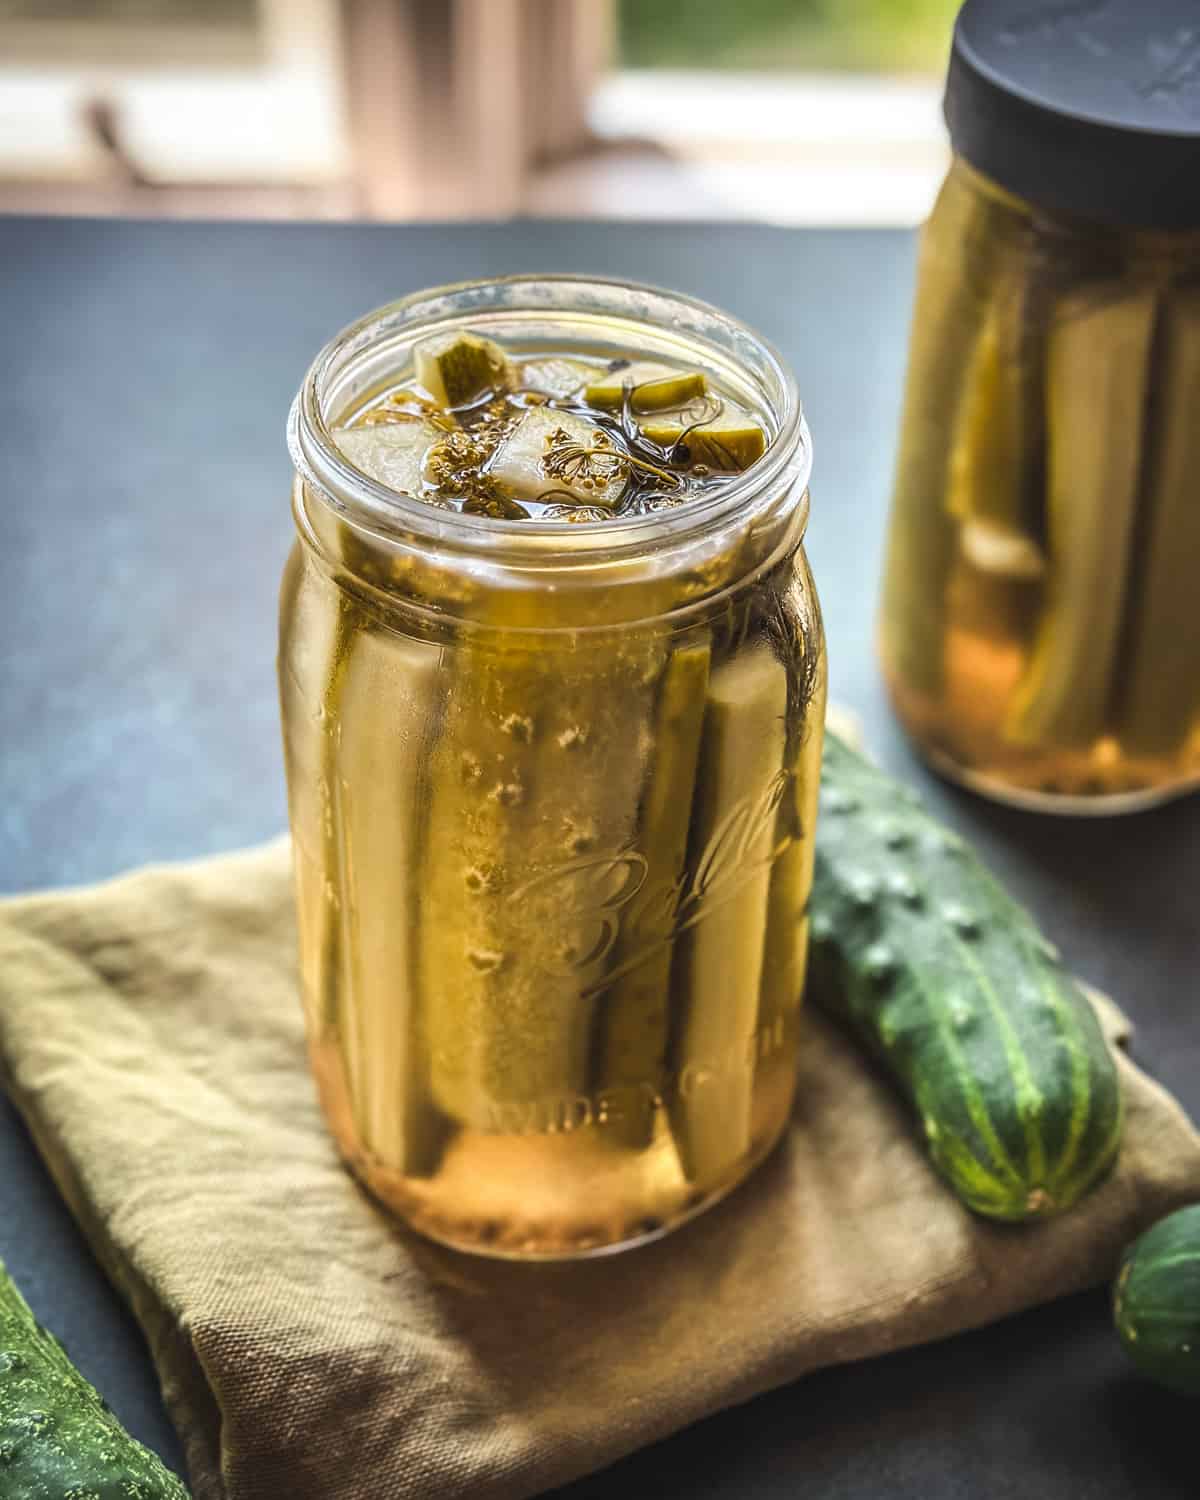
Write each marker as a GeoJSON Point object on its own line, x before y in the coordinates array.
{"type": "Point", "coordinates": [147, 372]}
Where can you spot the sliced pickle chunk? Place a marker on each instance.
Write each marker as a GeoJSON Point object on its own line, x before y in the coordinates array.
{"type": "Point", "coordinates": [559, 456]}
{"type": "Point", "coordinates": [731, 442]}
{"type": "Point", "coordinates": [556, 378]}
{"type": "Point", "coordinates": [457, 368]}
{"type": "Point", "coordinates": [652, 387]}
{"type": "Point", "coordinates": [393, 453]}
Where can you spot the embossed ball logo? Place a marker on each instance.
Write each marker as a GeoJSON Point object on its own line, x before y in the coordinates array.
{"type": "Point", "coordinates": [598, 898]}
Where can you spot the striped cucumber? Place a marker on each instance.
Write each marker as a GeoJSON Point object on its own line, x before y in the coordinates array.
{"type": "Point", "coordinates": [1156, 1301]}
{"type": "Point", "coordinates": [929, 961]}
{"type": "Point", "coordinates": [58, 1439]}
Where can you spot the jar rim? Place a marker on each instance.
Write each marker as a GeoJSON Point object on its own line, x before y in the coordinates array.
{"type": "Point", "coordinates": [782, 471]}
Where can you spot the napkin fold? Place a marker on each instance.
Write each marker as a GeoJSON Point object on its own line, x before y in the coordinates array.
{"type": "Point", "coordinates": [309, 1346]}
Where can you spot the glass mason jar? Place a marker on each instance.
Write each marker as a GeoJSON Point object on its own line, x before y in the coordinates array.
{"type": "Point", "coordinates": [552, 791]}
{"type": "Point", "coordinates": [1039, 632]}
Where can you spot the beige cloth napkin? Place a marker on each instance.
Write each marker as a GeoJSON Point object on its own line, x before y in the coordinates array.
{"type": "Point", "coordinates": [150, 1033]}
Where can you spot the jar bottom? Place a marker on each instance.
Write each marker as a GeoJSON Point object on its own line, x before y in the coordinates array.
{"type": "Point", "coordinates": [551, 1198]}
{"type": "Point", "coordinates": [1099, 781]}
{"type": "Point", "coordinates": [1062, 804]}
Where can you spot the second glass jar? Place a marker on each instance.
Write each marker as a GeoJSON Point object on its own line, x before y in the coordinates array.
{"type": "Point", "coordinates": [1040, 633]}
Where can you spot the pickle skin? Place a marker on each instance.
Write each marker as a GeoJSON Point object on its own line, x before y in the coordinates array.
{"type": "Point", "coordinates": [1097, 368]}
{"type": "Point", "coordinates": [719, 958]}
{"type": "Point", "coordinates": [1161, 666]}
{"type": "Point", "coordinates": [634, 1014]}
{"type": "Point", "coordinates": [386, 709]}
{"type": "Point", "coordinates": [457, 368]}
{"type": "Point", "coordinates": [653, 387]}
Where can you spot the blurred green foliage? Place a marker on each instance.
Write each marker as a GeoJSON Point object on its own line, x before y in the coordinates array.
{"type": "Point", "coordinates": [901, 36]}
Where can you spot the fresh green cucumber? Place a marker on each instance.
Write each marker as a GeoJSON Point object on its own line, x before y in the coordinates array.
{"type": "Point", "coordinates": [922, 953]}
{"type": "Point", "coordinates": [1156, 1301]}
{"type": "Point", "coordinates": [58, 1439]}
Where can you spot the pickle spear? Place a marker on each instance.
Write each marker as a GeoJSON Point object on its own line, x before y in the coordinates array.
{"type": "Point", "coordinates": [997, 463]}
{"type": "Point", "coordinates": [633, 1019]}
{"type": "Point", "coordinates": [1097, 371]}
{"type": "Point", "coordinates": [785, 948]}
{"type": "Point", "coordinates": [960, 247]}
{"type": "Point", "coordinates": [387, 710]}
{"type": "Point", "coordinates": [719, 958]}
{"type": "Point", "coordinates": [534, 788]}
{"type": "Point", "coordinates": [1161, 666]}
{"type": "Point", "coordinates": [319, 630]}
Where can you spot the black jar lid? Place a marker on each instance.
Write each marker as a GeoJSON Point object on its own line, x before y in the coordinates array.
{"type": "Point", "coordinates": [1088, 108]}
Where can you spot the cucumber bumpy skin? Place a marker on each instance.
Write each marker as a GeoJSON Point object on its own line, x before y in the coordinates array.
{"type": "Point", "coordinates": [1156, 1301]}
{"type": "Point", "coordinates": [921, 952]}
{"type": "Point", "coordinates": [58, 1439]}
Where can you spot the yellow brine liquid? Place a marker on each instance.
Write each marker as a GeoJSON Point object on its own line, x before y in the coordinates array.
{"type": "Point", "coordinates": [552, 871]}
